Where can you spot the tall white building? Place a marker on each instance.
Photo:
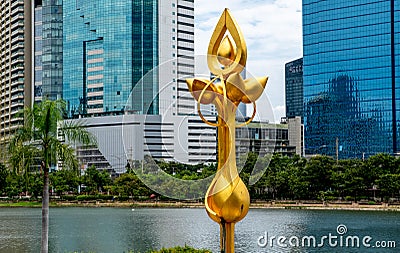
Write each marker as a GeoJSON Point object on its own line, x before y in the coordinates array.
{"type": "Point", "coordinates": [15, 66]}
{"type": "Point", "coordinates": [176, 56]}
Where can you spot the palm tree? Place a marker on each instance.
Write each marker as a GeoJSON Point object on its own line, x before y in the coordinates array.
{"type": "Point", "coordinates": [43, 125]}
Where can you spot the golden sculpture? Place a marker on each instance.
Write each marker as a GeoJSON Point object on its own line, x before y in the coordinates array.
{"type": "Point", "coordinates": [227, 199]}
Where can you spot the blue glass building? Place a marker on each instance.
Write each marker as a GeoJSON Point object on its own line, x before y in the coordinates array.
{"type": "Point", "coordinates": [48, 49]}
{"type": "Point", "coordinates": [108, 47]}
{"type": "Point", "coordinates": [351, 69]}
{"type": "Point", "coordinates": [294, 88]}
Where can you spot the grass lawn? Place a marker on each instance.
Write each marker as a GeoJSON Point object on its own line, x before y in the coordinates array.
{"type": "Point", "coordinates": [21, 204]}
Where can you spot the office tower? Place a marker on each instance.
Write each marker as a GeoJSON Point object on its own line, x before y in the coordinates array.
{"type": "Point", "coordinates": [15, 65]}
{"type": "Point", "coordinates": [351, 69]}
{"type": "Point", "coordinates": [294, 88]}
{"type": "Point", "coordinates": [48, 49]}
{"type": "Point", "coordinates": [111, 49]}
{"type": "Point", "coordinates": [38, 52]}
{"type": "Point", "coordinates": [296, 134]}
{"type": "Point", "coordinates": [263, 138]}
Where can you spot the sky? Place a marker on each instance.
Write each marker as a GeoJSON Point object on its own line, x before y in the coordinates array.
{"type": "Point", "coordinates": [273, 34]}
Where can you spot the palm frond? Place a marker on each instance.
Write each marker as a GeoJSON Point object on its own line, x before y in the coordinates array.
{"type": "Point", "coordinates": [66, 154]}
{"type": "Point", "coordinates": [75, 132]}
{"type": "Point", "coordinates": [43, 123]}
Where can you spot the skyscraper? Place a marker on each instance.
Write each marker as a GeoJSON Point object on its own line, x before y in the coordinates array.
{"type": "Point", "coordinates": [351, 77]}
{"type": "Point", "coordinates": [48, 49]}
{"type": "Point", "coordinates": [109, 47]}
{"type": "Point", "coordinates": [294, 88]}
{"type": "Point", "coordinates": [15, 65]}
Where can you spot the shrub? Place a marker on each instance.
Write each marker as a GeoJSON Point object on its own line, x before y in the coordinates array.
{"type": "Point", "coordinates": [349, 198]}
{"type": "Point", "coordinates": [92, 197]}
{"type": "Point", "coordinates": [121, 198]}
{"type": "Point", "coordinates": [85, 197]}
{"type": "Point", "coordinates": [69, 197]}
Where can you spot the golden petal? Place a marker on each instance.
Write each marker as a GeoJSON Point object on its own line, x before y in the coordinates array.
{"type": "Point", "coordinates": [196, 86]}
{"type": "Point", "coordinates": [254, 87]}
{"type": "Point", "coordinates": [189, 83]}
{"type": "Point", "coordinates": [226, 23]}
{"type": "Point", "coordinates": [235, 87]}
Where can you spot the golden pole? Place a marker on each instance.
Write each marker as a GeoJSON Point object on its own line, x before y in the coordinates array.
{"type": "Point", "coordinates": [227, 199]}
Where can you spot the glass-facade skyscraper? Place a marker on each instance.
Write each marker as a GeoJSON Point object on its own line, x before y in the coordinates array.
{"type": "Point", "coordinates": [294, 88]}
{"type": "Point", "coordinates": [351, 77]}
{"type": "Point", "coordinates": [108, 47]}
{"type": "Point", "coordinates": [48, 49]}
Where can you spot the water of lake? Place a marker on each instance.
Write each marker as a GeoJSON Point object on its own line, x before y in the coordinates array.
{"type": "Point", "coordinates": [112, 230]}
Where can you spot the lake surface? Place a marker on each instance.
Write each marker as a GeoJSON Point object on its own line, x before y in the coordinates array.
{"type": "Point", "coordinates": [112, 230]}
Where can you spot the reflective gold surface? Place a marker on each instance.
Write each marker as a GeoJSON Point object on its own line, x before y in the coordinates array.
{"type": "Point", "coordinates": [227, 199]}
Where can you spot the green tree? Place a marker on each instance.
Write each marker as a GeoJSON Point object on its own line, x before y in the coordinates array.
{"type": "Point", "coordinates": [64, 181]}
{"type": "Point", "coordinates": [377, 166]}
{"type": "Point", "coordinates": [42, 125]}
{"type": "Point", "coordinates": [389, 185]}
{"type": "Point", "coordinates": [14, 185]}
{"type": "Point", "coordinates": [318, 173]}
{"type": "Point", "coordinates": [278, 176]}
{"type": "Point", "coordinates": [36, 185]}
{"type": "Point", "coordinates": [95, 180]}
{"type": "Point", "coordinates": [128, 184]}
{"type": "Point", "coordinates": [3, 178]}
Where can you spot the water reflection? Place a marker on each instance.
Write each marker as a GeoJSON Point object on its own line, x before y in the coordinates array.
{"type": "Point", "coordinates": [121, 229]}
{"type": "Point", "coordinates": [353, 117]}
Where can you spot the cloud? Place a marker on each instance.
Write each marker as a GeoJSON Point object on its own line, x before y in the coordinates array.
{"type": "Point", "coordinates": [279, 110]}
{"type": "Point", "coordinates": [273, 34]}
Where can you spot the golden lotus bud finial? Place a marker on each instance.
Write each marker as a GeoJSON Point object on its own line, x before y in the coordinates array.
{"type": "Point", "coordinates": [227, 199]}
{"type": "Point", "coordinates": [227, 23]}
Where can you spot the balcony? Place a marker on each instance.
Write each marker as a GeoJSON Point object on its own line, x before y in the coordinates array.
{"type": "Point", "coordinates": [16, 46]}
{"type": "Point", "coordinates": [18, 60]}
{"type": "Point", "coordinates": [16, 31]}
{"type": "Point", "coordinates": [16, 3]}
{"type": "Point", "coordinates": [17, 17]}
{"type": "Point", "coordinates": [16, 10]}
{"type": "Point", "coordinates": [17, 24]}
{"type": "Point", "coordinates": [19, 53]}
{"type": "Point", "coordinates": [18, 38]}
